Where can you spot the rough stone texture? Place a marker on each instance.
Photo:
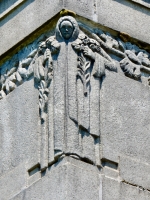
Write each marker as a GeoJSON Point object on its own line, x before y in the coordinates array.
{"type": "Point", "coordinates": [121, 140]}
{"type": "Point", "coordinates": [13, 181]}
{"type": "Point", "coordinates": [115, 190]}
{"type": "Point", "coordinates": [135, 172]}
{"type": "Point", "coordinates": [60, 182]}
{"type": "Point", "coordinates": [133, 16]}
{"type": "Point", "coordinates": [29, 16]}
{"type": "Point", "coordinates": [19, 135]}
{"type": "Point", "coordinates": [125, 119]}
{"type": "Point", "coordinates": [33, 13]}
{"type": "Point", "coordinates": [72, 179]}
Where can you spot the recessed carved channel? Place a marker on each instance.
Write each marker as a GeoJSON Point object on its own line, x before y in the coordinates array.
{"type": "Point", "coordinates": [34, 170]}
{"type": "Point", "coordinates": [110, 164]}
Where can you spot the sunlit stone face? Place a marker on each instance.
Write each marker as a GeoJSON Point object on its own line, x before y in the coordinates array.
{"type": "Point", "coordinates": [66, 29]}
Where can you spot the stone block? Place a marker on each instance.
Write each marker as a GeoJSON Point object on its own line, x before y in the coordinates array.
{"type": "Point", "coordinates": [135, 172]}
{"type": "Point", "coordinates": [116, 190]}
{"type": "Point", "coordinates": [68, 179]}
{"type": "Point", "coordinates": [125, 118]}
{"type": "Point", "coordinates": [13, 181]}
{"type": "Point", "coordinates": [71, 179]}
{"type": "Point", "coordinates": [19, 131]}
{"type": "Point", "coordinates": [134, 17]}
{"type": "Point", "coordinates": [84, 8]}
{"type": "Point", "coordinates": [25, 19]}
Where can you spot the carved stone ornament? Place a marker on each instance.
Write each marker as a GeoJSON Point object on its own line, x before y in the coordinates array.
{"type": "Point", "coordinates": [68, 68]}
{"type": "Point", "coordinates": [69, 71]}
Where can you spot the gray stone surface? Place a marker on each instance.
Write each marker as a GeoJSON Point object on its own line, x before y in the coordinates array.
{"type": "Point", "coordinates": [13, 181]}
{"type": "Point", "coordinates": [67, 70]}
{"type": "Point", "coordinates": [28, 16]}
{"type": "Point", "coordinates": [72, 179]}
{"type": "Point", "coordinates": [60, 182]}
{"type": "Point", "coordinates": [75, 118]}
{"type": "Point", "coordinates": [115, 190]}
{"type": "Point", "coordinates": [134, 17]}
{"type": "Point", "coordinates": [125, 118]}
{"type": "Point", "coordinates": [19, 130]}
{"type": "Point", "coordinates": [33, 13]}
{"type": "Point", "coordinates": [135, 172]}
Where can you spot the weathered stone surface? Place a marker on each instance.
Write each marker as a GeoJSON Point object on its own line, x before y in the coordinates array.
{"type": "Point", "coordinates": [13, 181]}
{"type": "Point", "coordinates": [72, 179]}
{"type": "Point", "coordinates": [28, 16]}
{"type": "Point", "coordinates": [19, 132]}
{"type": "Point", "coordinates": [32, 14]}
{"type": "Point", "coordinates": [113, 189]}
{"type": "Point", "coordinates": [84, 8]}
{"type": "Point", "coordinates": [60, 182]}
{"type": "Point", "coordinates": [80, 103]}
{"type": "Point", "coordinates": [124, 118]}
{"type": "Point", "coordinates": [133, 17]}
{"type": "Point", "coordinates": [130, 170]}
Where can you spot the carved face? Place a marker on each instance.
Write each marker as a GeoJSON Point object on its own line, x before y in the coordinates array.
{"type": "Point", "coordinates": [66, 29]}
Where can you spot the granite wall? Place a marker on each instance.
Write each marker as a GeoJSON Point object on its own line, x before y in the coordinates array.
{"type": "Point", "coordinates": [121, 29]}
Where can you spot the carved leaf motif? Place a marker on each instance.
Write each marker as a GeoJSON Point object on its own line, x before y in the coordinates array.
{"type": "Point", "coordinates": [40, 103]}
{"type": "Point", "coordinates": [132, 57]}
{"type": "Point", "coordinates": [42, 84]}
{"type": "Point", "coordinates": [143, 57]}
{"type": "Point", "coordinates": [55, 44]}
{"type": "Point", "coordinates": [82, 36]}
{"type": "Point", "coordinates": [12, 85]}
{"type": "Point", "coordinates": [18, 77]}
{"type": "Point", "coordinates": [121, 45]}
{"type": "Point", "coordinates": [22, 72]}
{"type": "Point", "coordinates": [12, 78]}
{"type": "Point", "coordinates": [130, 69]}
{"type": "Point", "coordinates": [2, 94]}
{"type": "Point", "coordinates": [83, 71]}
{"type": "Point", "coordinates": [50, 40]}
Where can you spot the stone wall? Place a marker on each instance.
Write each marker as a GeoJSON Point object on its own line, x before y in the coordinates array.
{"type": "Point", "coordinates": [75, 113]}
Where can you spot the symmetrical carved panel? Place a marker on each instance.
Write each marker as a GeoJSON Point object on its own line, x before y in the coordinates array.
{"type": "Point", "coordinates": [68, 68]}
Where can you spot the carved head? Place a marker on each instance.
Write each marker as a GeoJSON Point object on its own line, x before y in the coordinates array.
{"type": "Point", "coordinates": [66, 29]}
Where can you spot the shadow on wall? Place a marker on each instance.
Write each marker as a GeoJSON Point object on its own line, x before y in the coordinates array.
{"type": "Point", "coordinates": [7, 4]}
{"type": "Point", "coordinates": [146, 1]}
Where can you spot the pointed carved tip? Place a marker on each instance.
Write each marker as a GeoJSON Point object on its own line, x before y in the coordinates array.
{"type": "Point", "coordinates": [65, 12]}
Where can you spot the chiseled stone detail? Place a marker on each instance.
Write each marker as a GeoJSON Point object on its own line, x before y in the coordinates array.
{"type": "Point", "coordinates": [68, 73]}
{"type": "Point", "coordinates": [133, 60]}
{"type": "Point", "coordinates": [68, 69]}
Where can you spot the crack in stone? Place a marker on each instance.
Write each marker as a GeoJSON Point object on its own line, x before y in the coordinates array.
{"type": "Point", "coordinates": [135, 185]}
